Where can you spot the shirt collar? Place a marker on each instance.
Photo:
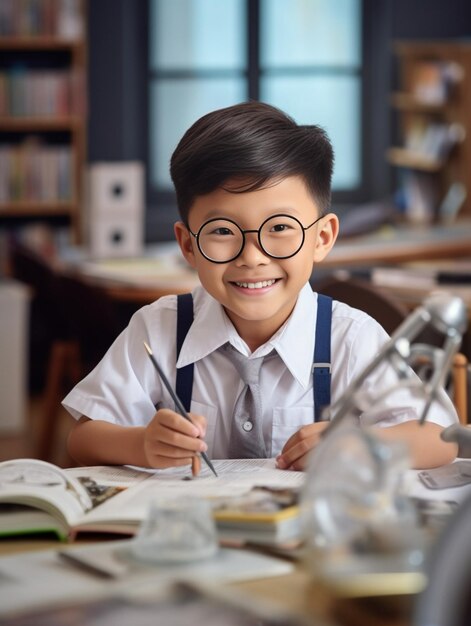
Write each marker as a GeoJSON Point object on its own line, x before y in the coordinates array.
{"type": "Point", "coordinates": [210, 329]}
{"type": "Point", "coordinates": [294, 341]}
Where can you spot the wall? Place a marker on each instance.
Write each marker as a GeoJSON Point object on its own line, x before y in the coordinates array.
{"type": "Point", "coordinates": [434, 19]}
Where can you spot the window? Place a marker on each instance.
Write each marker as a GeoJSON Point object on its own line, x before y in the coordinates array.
{"type": "Point", "coordinates": [310, 63]}
{"type": "Point", "coordinates": [304, 56]}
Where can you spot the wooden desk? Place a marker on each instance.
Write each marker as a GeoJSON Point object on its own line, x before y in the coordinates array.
{"type": "Point", "coordinates": [296, 593]}
{"type": "Point", "coordinates": [139, 281]}
{"type": "Point", "coordinates": [402, 245]}
{"type": "Point", "coordinates": [412, 297]}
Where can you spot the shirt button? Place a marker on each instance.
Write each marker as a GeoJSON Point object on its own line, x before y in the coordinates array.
{"type": "Point", "coordinates": [247, 426]}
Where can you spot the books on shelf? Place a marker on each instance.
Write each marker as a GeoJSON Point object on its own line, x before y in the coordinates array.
{"type": "Point", "coordinates": [419, 196]}
{"type": "Point", "coordinates": [427, 146]}
{"type": "Point", "coordinates": [35, 172]}
{"type": "Point", "coordinates": [431, 106]}
{"type": "Point", "coordinates": [433, 80]}
{"type": "Point", "coordinates": [252, 501]}
{"type": "Point", "coordinates": [43, 110]}
{"type": "Point", "coordinates": [432, 141]}
{"type": "Point", "coordinates": [422, 200]}
{"type": "Point", "coordinates": [26, 93]}
{"type": "Point", "coordinates": [452, 202]}
{"type": "Point", "coordinates": [32, 18]}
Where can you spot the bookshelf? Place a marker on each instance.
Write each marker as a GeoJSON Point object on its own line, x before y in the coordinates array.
{"type": "Point", "coordinates": [431, 107]}
{"type": "Point", "coordinates": [43, 125]}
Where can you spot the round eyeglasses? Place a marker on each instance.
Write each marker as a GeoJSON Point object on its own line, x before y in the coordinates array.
{"type": "Point", "coordinates": [221, 240]}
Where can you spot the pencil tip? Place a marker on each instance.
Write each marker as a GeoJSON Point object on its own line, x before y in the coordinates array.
{"type": "Point", "coordinates": [147, 348]}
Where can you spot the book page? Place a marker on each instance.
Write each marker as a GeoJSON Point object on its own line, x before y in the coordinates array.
{"type": "Point", "coordinates": [37, 496]}
{"type": "Point", "coordinates": [42, 485]}
{"type": "Point", "coordinates": [236, 477]}
{"type": "Point", "coordinates": [111, 475]}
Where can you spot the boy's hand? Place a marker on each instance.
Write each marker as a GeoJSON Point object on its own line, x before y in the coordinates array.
{"type": "Point", "coordinates": [170, 440]}
{"type": "Point", "coordinates": [296, 450]}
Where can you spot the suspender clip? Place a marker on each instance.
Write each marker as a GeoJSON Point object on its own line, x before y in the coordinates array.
{"type": "Point", "coordinates": [321, 365]}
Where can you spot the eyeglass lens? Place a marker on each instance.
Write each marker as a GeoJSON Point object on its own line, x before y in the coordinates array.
{"type": "Point", "coordinates": [280, 236]}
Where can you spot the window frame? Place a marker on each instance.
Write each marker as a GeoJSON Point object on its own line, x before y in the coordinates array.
{"type": "Point", "coordinates": [162, 210]}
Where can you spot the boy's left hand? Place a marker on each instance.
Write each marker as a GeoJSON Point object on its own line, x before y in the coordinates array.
{"type": "Point", "coordinates": [295, 452]}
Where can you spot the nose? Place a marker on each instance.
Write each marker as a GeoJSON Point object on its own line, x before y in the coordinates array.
{"type": "Point", "coordinates": [252, 254]}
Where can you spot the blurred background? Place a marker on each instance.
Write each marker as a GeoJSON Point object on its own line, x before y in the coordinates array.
{"type": "Point", "coordinates": [94, 97]}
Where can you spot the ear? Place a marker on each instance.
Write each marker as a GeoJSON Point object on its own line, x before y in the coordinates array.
{"type": "Point", "coordinates": [185, 242]}
{"type": "Point", "coordinates": [327, 233]}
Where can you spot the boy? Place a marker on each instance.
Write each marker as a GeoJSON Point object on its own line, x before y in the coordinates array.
{"type": "Point", "coordinates": [253, 191]}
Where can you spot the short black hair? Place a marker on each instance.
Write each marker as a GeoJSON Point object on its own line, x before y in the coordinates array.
{"type": "Point", "coordinates": [255, 143]}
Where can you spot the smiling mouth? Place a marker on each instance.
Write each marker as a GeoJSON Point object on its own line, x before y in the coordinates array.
{"type": "Point", "coordinates": [258, 285]}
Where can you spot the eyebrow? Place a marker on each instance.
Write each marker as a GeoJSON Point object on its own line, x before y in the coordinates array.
{"type": "Point", "coordinates": [216, 214]}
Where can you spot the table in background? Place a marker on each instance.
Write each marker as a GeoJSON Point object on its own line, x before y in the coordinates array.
{"type": "Point", "coordinates": [402, 244]}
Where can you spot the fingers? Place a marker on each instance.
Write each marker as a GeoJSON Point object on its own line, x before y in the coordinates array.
{"type": "Point", "coordinates": [297, 457]}
{"type": "Point", "coordinates": [171, 440]}
{"type": "Point", "coordinates": [173, 429]}
{"type": "Point", "coordinates": [200, 422]}
{"type": "Point", "coordinates": [158, 448]}
{"type": "Point", "coordinates": [297, 450]}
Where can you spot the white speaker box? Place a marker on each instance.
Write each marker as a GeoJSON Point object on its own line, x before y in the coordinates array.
{"type": "Point", "coordinates": [115, 194]}
{"type": "Point", "coordinates": [115, 236]}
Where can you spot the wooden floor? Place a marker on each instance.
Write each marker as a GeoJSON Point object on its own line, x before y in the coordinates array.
{"type": "Point", "coordinates": [25, 444]}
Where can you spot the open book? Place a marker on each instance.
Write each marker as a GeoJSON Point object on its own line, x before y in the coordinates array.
{"type": "Point", "coordinates": [251, 499]}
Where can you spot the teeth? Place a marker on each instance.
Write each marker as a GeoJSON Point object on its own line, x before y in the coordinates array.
{"type": "Point", "coordinates": [259, 285]}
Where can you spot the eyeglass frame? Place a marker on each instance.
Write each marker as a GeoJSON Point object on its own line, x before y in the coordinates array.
{"type": "Point", "coordinates": [251, 230]}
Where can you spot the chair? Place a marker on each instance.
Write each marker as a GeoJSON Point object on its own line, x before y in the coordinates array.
{"type": "Point", "coordinates": [79, 323]}
{"type": "Point", "coordinates": [460, 387]}
{"type": "Point", "coordinates": [47, 324]}
{"type": "Point", "coordinates": [362, 295]}
{"type": "Point", "coordinates": [390, 314]}
{"type": "Point", "coordinates": [92, 318]}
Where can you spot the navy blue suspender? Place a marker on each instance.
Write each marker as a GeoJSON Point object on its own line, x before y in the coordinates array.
{"type": "Point", "coordinates": [320, 367]}
{"type": "Point", "coordinates": [322, 361]}
{"type": "Point", "coordinates": [184, 382]}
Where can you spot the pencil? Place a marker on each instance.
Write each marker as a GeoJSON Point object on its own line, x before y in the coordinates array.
{"type": "Point", "coordinates": [180, 409]}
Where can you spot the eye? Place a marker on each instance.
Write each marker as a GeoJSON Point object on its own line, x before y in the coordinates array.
{"type": "Point", "coordinates": [282, 227]}
{"type": "Point", "coordinates": [279, 228]}
{"type": "Point", "coordinates": [222, 231]}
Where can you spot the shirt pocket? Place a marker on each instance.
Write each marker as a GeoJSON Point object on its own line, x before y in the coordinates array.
{"type": "Point", "coordinates": [210, 413]}
{"type": "Point", "coordinates": [286, 422]}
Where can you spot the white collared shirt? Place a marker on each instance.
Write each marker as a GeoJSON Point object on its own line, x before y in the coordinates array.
{"type": "Point", "coordinates": [124, 388]}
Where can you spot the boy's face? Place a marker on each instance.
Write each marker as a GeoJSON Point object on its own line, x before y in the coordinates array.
{"type": "Point", "coordinates": [257, 312]}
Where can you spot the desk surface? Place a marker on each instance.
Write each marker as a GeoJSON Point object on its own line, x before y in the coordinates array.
{"type": "Point", "coordinates": [402, 245]}
{"type": "Point", "coordinates": [295, 593]}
